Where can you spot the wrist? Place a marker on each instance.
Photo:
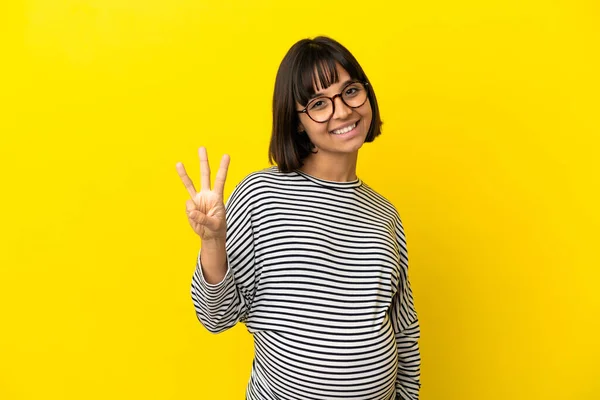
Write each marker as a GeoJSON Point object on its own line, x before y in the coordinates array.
{"type": "Point", "coordinates": [214, 242]}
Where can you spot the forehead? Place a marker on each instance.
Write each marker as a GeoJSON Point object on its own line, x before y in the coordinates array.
{"type": "Point", "coordinates": [319, 86]}
{"type": "Point", "coordinates": [325, 77]}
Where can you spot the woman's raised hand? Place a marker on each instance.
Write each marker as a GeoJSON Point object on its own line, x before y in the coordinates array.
{"type": "Point", "coordinates": [206, 208]}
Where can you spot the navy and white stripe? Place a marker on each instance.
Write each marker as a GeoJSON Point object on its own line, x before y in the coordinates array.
{"type": "Point", "coordinates": [317, 270]}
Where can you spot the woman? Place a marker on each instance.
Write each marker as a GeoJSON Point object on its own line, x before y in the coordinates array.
{"type": "Point", "coordinates": [305, 253]}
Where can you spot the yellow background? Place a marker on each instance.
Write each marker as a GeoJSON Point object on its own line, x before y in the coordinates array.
{"type": "Point", "coordinates": [489, 152]}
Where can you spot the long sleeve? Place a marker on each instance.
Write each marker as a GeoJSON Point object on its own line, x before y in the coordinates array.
{"type": "Point", "coordinates": [406, 328]}
{"type": "Point", "coordinates": [220, 306]}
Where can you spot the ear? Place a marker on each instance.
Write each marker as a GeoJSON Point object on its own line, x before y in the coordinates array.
{"type": "Point", "coordinates": [301, 127]}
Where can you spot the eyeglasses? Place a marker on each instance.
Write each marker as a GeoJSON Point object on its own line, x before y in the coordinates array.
{"type": "Point", "coordinates": [322, 108]}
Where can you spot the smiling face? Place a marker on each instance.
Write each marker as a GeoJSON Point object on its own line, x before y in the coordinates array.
{"type": "Point", "coordinates": [348, 127]}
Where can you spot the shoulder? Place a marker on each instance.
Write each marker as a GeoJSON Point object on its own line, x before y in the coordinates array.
{"type": "Point", "coordinates": [379, 201]}
{"type": "Point", "coordinates": [257, 179]}
{"type": "Point", "coordinates": [258, 182]}
{"type": "Point", "coordinates": [386, 210]}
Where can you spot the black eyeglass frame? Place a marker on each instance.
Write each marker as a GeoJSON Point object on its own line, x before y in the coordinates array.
{"type": "Point", "coordinates": [305, 110]}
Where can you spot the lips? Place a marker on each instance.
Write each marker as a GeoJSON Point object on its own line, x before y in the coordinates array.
{"type": "Point", "coordinates": [345, 129]}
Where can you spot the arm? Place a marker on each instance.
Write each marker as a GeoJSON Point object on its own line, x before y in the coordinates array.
{"type": "Point", "coordinates": [406, 328]}
{"type": "Point", "coordinates": [220, 305]}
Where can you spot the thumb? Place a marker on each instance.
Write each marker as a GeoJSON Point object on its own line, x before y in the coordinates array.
{"type": "Point", "coordinates": [189, 206]}
{"type": "Point", "coordinates": [198, 217]}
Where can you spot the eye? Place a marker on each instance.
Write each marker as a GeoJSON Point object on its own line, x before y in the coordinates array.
{"type": "Point", "coordinates": [315, 105]}
{"type": "Point", "coordinates": [352, 90]}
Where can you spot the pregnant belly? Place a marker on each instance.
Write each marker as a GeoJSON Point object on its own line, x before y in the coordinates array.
{"type": "Point", "coordinates": [310, 365]}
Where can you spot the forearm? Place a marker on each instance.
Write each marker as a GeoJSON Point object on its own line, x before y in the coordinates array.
{"type": "Point", "coordinates": [408, 381]}
{"type": "Point", "coordinates": [213, 259]}
{"type": "Point", "coordinates": [218, 306]}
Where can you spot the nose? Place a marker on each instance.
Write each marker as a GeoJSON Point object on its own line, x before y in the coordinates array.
{"type": "Point", "coordinates": [341, 110]}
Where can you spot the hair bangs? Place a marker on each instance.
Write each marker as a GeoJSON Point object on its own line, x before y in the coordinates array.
{"type": "Point", "coordinates": [316, 69]}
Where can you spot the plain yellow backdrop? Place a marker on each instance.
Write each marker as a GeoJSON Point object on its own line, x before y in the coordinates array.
{"type": "Point", "coordinates": [489, 151]}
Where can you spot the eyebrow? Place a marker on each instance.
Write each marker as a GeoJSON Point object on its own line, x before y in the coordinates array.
{"type": "Point", "coordinates": [318, 94]}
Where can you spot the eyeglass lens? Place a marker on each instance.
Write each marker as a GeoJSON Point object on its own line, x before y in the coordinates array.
{"type": "Point", "coordinates": [321, 108]}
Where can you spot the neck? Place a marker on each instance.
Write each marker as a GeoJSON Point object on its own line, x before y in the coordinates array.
{"type": "Point", "coordinates": [330, 167]}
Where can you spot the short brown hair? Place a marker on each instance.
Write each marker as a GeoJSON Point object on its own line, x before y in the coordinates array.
{"type": "Point", "coordinates": [307, 62]}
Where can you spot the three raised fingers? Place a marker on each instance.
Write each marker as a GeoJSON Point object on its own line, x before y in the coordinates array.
{"type": "Point", "coordinates": [205, 174]}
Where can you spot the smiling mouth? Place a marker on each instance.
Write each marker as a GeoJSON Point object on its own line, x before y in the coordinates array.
{"type": "Point", "coordinates": [345, 130]}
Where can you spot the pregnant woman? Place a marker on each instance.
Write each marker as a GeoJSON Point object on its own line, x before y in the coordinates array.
{"type": "Point", "coordinates": [308, 256]}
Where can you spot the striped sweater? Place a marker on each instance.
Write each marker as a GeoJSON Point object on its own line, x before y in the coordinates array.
{"type": "Point", "coordinates": [317, 271]}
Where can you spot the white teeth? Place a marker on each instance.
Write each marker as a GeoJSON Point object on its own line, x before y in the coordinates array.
{"type": "Point", "coordinates": [344, 130]}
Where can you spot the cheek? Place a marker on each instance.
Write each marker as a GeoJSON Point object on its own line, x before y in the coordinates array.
{"type": "Point", "coordinates": [367, 114]}
{"type": "Point", "coordinates": [314, 129]}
